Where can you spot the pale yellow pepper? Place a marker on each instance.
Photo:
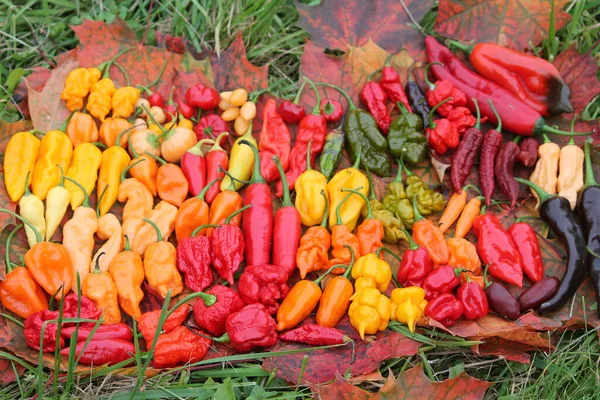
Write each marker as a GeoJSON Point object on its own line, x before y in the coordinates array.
{"type": "Point", "coordinates": [545, 173]}
{"type": "Point", "coordinates": [570, 176]}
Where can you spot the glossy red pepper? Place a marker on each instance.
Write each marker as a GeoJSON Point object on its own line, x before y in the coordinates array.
{"type": "Point", "coordinates": [415, 265]}
{"type": "Point", "coordinates": [375, 99]}
{"type": "Point", "coordinates": [275, 140]}
{"type": "Point", "coordinates": [102, 351]}
{"type": "Point", "coordinates": [211, 126]}
{"type": "Point", "coordinates": [193, 165]}
{"type": "Point", "coordinates": [257, 222]}
{"type": "Point", "coordinates": [185, 109]}
{"type": "Point", "coordinates": [202, 96]}
{"type": "Point", "coordinates": [390, 81]}
{"type": "Point", "coordinates": [291, 111]}
{"type": "Point", "coordinates": [526, 242]}
{"type": "Point", "coordinates": [105, 331]}
{"type": "Point", "coordinates": [332, 110]}
{"type": "Point", "coordinates": [217, 162]}
{"type": "Point", "coordinates": [473, 298]}
{"type": "Point", "coordinates": [497, 249]}
{"type": "Point", "coordinates": [441, 280]}
{"type": "Point", "coordinates": [156, 100]}
{"type": "Point", "coordinates": [445, 309]}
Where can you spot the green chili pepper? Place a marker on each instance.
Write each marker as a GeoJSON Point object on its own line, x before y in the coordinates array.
{"type": "Point", "coordinates": [393, 228]}
{"type": "Point", "coordinates": [332, 152]}
{"type": "Point", "coordinates": [406, 138]}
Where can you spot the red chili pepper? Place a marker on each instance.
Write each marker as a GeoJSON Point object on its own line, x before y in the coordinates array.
{"type": "Point", "coordinates": [87, 310]}
{"type": "Point", "coordinates": [445, 309]}
{"type": "Point", "coordinates": [315, 335]}
{"type": "Point", "coordinates": [442, 90]}
{"type": "Point", "coordinates": [203, 97]}
{"type": "Point", "coordinates": [265, 284]}
{"type": "Point", "coordinates": [497, 249]}
{"type": "Point", "coordinates": [185, 109]}
{"type": "Point", "coordinates": [464, 156]}
{"type": "Point", "coordinates": [212, 318]}
{"type": "Point", "coordinates": [473, 298]}
{"type": "Point", "coordinates": [171, 107]}
{"type": "Point", "coordinates": [415, 266]}
{"type": "Point", "coordinates": [251, 327]}
{"type": "Point", "coordinates": [526, 242]}
{"type": "Point", "coordinates": [441, 133]}
{"type": "Point", "coordinates": [292, 112]}
{"type": "Point", "coordinates": [462, 119]}
{"type": "Point", "coordinates": [504, 171]}
{"type": "Point", "coordinates": [275, 140]}
{"type": "Point", "coordinates": [287, 229]}
{"type": "Point", "coordinates": [193, 165]}
{"type": "Point", "coordinates": [102, 351]}
{"type": "Point", "coordinates": [156, 100]}
{"type": "Point", "coordinates": [180, 346]}
{"type": "Point", "coordinates": [257, 222]}
{"type": "Point", "coordinates": [110, 331]}
{"type": "Point", "coordinates": [33, 331]}
{"type": "Point", "coordinates": [194, 256]}
{"type": "Point", "coordinates": [313, 128]}
{"type": "Point", "coordinates": [528, 152]}
{"type": "Point", "coordinates": [217, 162]}
{"type": "Point", "coordinates": [492, 141]}
{"type": "Point", "coordinates": [148, 323]}
{"type": "Point", "coordinates": [227, 244]}
{"type": "Point", "coordinates": [390, 81]}
{"type": "Point", "coordinates": [374, 98]}
{"type": "Point", "coordinates": [441, 280]}
{"type": "Point", "coordinates": [332, 110]}
{"type": "Point", "coordinates": [210, 126]}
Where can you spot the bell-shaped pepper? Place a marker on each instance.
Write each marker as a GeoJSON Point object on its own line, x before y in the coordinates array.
{"type": "Point", "coordinates": [445, 309]}
{"type": "Point", "coordinates": [350, 210]}
{"type": "Point", "coordinates": [369, 311]}
{"type": "Point", "coordinates": [194, 255]}
{"type": "Point", "coordinates": [251, 327]}
{"type": "Point", "coordinates": [309, 202]}
{"type": "Point", "coordinates": [100, 99]}
{"type": "Point", "coordinates": [408, 304]}
{"type": "Point", "coordinates": [415, 265]}
{"type": "Point", "coordinates": [123, 101]}
{"type": "Point", "coordinates": [441, 280]}
{"type": "Point", "coordinates": [112, 130]}
{"type": "Point", "coordinates": [82, 129]}
{"type": "Point", "coordinates": [473, 299]}
{"type": "Point", "coordinates": [371, 266]}
{"type": "Point", "coordinates": [406, 138]}
{"type": "Point", "coordinates": [77, 86]}
{"type": "Point", "coordinates": [463, 254]}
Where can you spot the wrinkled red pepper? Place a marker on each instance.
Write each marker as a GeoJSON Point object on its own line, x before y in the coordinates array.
{"type": "Point", "coordinates": [375, 99]}
{"type": "Point", "coordinates": [462, 119]}
{"type": "Point", "coordinates": [33, 331]}
{"type": "Point", "coordinates": [445, 309]}
{"type": "Point", "coordinates": [211, 126]}
{"type": "Point", "coordinates": [148, 323]}
{"type": "Point", "coordinates": [315, 335]}
{"type": "Point", "coordinates": [212, 318]}
{"type": "Point", "coordinates": [275, 140]}
{"type": "Point", "coordinates": [441, 91]}
{"type": "Point", "coordinates": [227, 244]}
{"type": "Point", "coordinates": [265, 284]}
{"type": "Point", "coordinates": [441, 133]}
{"type": "Point", "coordinates": [251, 327]}
{"type": "Point", "coordinates": [180, 346]}
{"type": "Point", "coordinates": [203, 97]}
{"type": "Point", "coordinates": [194, 256]}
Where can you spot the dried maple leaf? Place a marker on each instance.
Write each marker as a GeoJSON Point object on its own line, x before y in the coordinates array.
{"type": "Point", "coordinates": [413, 384]}
{"type": "Point", "coordinates": [341, 389]}
{"type": "Point", "coordinates": [342, 25]}
{"type": "Point", "coordinates": [579, 72]}
{"type": "Point", "coordinates": [7, 374]}
{"type": "Point", "coordinates": [512, 351]}
{"type": "Point", "coordinates": [517, 24]}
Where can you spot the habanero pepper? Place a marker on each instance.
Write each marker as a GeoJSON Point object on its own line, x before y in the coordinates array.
{"type": "Point", "coordinates": [81, 128]}
{"type": "Point", "coordinates": [275, 140]}
{"type": "Point", "coordinates": [265, 284]}
{"type": "Point", "coordinates": [332, 110]}
{"type": "Point", "coordinates": [463, 254]}
{"type": "Point", "coordinates": [445, 309]}
{"type": "Point", "coordinates": [556, 212]}
{"type": "Point", "coordinates": [227, 244]}
{"type": "Point", "coordinates": [211, 126]}
{"type": "Point", "coordinates": [375, 99]}
{"type": "Point", "coordinates": [373, 271]}
{"type": "Point", "coordinates": [473, 298]}
{"type": "Point", "coordinates": [407, 305]}
{"type": "Point", "coordinates": [203, 97]}
{"type": "Point", "coordinates": [415, 265]}
{"type": "Point", "coordinates": [441, 133]}
{"type": "Point", "coordinates": [251, 327]}
{"type": "Point", "coordinates": [443, 90]}
{"type": "Point", "coordinates": [312, 253]}
{"type": "Point", "coordinates": [193, 213]}
{"type": "Point", "coordinates": [171, 184]}
{"type": "Point", "coordinates": [464, 156]}
{"type": "Point", "coordinates": [370, 231]}
{"type": "Point", "coordinates": [441, 280]}
{"type": "Point", "coordinates": [430, 237]}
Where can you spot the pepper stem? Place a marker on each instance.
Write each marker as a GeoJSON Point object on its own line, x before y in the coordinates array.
{"type": "Point", "coordinates": [256, 176]}
{"type": "Point", "coordinates": [356, 164]}
{"type": "Point", "coordinates": [197, 148]}
{"type": "Point", "coordinates": [154, 82]}
{"type": "Point", "coordinates": [127, 246]}
{"type": "Point", "coordinates": [460, 46]}
{"type": "Point", "coordinates": [404, 168]}
{"type": "Point", "coordinates": [402, 109]}
{"type": "Point", "coordinates": [128, 131]}
{"type": "Point", "coordinates": [38, 236]}
{"type": "Point", "coordinates": [372, 195]}
{"type": "Point", "coordinates": [217, 145]}
{"type": "Point", "coordinates": [398, 177]}
{"type": "Point", "coordinates": [126, 170]}
{"type": "Point", "coordinates": [499, 127]}
{"type": "Point", "coordinates": [554, 131]}
{"type": "Point", "coordinates": [430, 85]}
{"type": "Point", "coordinates": [590, 179]}
{"type": "Point", "coordinates": [26, 191]}
{"type": "Point", "coordinates": [418, 215]}
{"type": "Point", "coordinates": [326, 212]}
{"type": "Point", "coordinates": [154, 120]}
{"type": "Point", "coordinates": [122, 69]}
{"type": "Point", "coordinates": [286, 202]}
{"type": "Point", "coordinates": [486, 282]}
{"type": "Point", "coordinates": [297, 97]}
{"type": "Point", "coordinates": [97, 264]}
{"type": "Point", "coordinates": [572, 139]}
{"type": "Point", "coordinates": [478, 123]}
{"type": "Point", "coordinates": [411, 243]}
{"type": "Point", "coordinates": [338, 209]}
{"type": "Point", "coordinates": [351, 105]}
{"type": "Point", "coordinates": [432, 124]}
{"type": "Point", "coordinates": [389, 251]}
{"type": "Point", "coordinates": [475, 188]}
{"type": "Point", "coordinates": [100, 201]}
{"type": "Point", "coordinates": [542, 194]}
{"type": "Point", "coordinates": [205, 189]}
{"type": "Point", "coordinates": [198, 229]}
{"type": "Point", "coordinates": [157, 158]}
{"type": "Point", "coordinates": [308, 166]}
{"type": "Point", "coordinates": [63, 127]}
{"type": "Point", "coordinates": [320, 278]}
{"type": "Point", "coordinates": [236, 212]}
{"type": "Point", "coordinates": [9, 264]}
{"type": "Point", "coordinates": [317, 108]}
{"type": "Point", "coordinates": [353, 256]}
{"type": "Point", "coordinates": [369, 209]}
{"type": "Point", "coordinates": [159, 236]}
{"type": "Point", "coordinates": [61, 183]}
{"type": "Point", "coordinates": [86, 197]}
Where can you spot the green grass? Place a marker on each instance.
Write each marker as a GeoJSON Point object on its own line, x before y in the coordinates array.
{"type": "Point", "coordinates": [272, 36]}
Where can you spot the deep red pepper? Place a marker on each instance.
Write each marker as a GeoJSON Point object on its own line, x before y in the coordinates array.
{"type": "Point", "coordinates": [185, 109]}
{"type": "Point", "coordinates": [148, 323]}
{"type": "Point", "coordinates": [180, 346]}
{"type": "Point", "coordinates": [102, 351]}
{"type": "Point", "coordinates": [193, 165]}
{"type": "Point", "coordinates": [492, 141]}
{"type": "Point", "coordinates": [442, 90]}
{"type": "Point", "coordinates": [390, 81]}
{"type": "Point", "coordinates": [33, 331]}
{"type": "Point", "coordinates": [441, 280]}
{"type": "Point", "coordinates": [265, 284]}
{"type": "Point", "coordinates": [528, 151]}
{"type": "Point", "coordinates": [287, 229]}
{"type": "Point", "coordinates": [375, 99]}
{"type": "Point", "coordinates": [504, 171]}
{"type": "Point", "coordinates": [315, 335]}
{"type": "Point", "coordinates": [251, 327]}
{"type": "Point", "coordinates": [275, 140]}
{"type": "Point", "coordinates": [332, 110]}
{"type": "Point", "coordinates": [87, 310]}
{"type": "Point", "coordinates": [415, 265]}
{"type": "Point", "coordinates": [464, 156]}
{"type": "Point", "coordinates": [257, 222]}
{"type": "Point", "coordinates": [156, 100]}
{"type": "Point", "coordinates": [497, 249]}
{"type": "Point", "coordinates": [292, 112]}
{"type": "Point", "coordinates": [441, 133]}
{"type": "Point", "coordinates": [217, 162]}
{"type": "Point", "coordinates": [194, 256]}
{"type": "Point", "coordinates": [210, 126]}
{"type": "Point", "coordinates": [473, 298]}
{"type": "Point", "coordinates": [541, 291]}
{"type": "Point", "coordinates": [212, 318]}
{"type": "Point", "coordinates": [461, 118]}
{"type": "Point", "coordinates": [111, 331]}
{"type": "Point", "coordinates": [227, 244]}
{"type": "Point", "coordinates": [527, 245]}
{"type": "Point", "coordinates": [203, 97]}
{"type": "Point", "coordinates": [445, 309]}
{"type": "Point", "coordinates": [312, 127]}
{"type": "Point", "coordinates": [500, 299]}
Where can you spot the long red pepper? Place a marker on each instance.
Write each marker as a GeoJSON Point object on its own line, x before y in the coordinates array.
{"type": "Point", "coordinates": [275, 140]}
{"type": "Point", "coordinates": [193, 165]}
{"type": "Point", "coordinates": [257, 222]}
{"type": "Point", "coordinates": [217, 162]}
{"type": "Point", "coordinates": [390, 81]}
{"type": "Point", "coordinates": [375, 99]}
{"type": "Point", "coordinates": [527, 244]}
{"type": "Point", "coordinates": [287, 229]}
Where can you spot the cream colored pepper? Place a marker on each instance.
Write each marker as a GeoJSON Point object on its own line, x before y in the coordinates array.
{"type": "Point", "coordinates": [570, 178]}
{"type": "Point", "coordinates": [545, 173]}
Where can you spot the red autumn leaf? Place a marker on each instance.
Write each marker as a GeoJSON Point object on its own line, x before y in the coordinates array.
{"type": "Point", "coordinates": [512, 351]}
{"type": "Point", "coordinates": [190, 72]}
{"type": "Point", "coordinates": [413, 384]}
{"type": "Point", "coordinates": [323, 365]}
{"type": "Point", "coordinates": [513, 23]}
{"type": "Point", "coordinates": [232, 69]}
{"type": "Point", "coordinates": [342, 25]}
{"type": "Point", "coordinates": [7, 373]}
{"type": "Point", "coordinates": [579, 72]}
{"type": "Point", "coordinates": [341, 389]}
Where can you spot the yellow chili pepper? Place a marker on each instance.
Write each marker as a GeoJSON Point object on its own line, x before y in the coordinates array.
{"type": "Point", "coordinates": [241, 162]}
{"type": "Point", "coordinates": [349, 178]}
{"type": "Point", "coordinates": [114, 160]}
{"type": "Point", "coordinates": [408, 305]}
{"type": "Point", "coordinates": [100, 99]}
{"type": "Point", "coordinates": [19, 160]}
{"type": "Point", "coordinates": [310, 202]}
{"type": "Point", "coordinates": [123, 101]}
{"type": "Point", "coordinates": [545, 173]}
{"type": "Point", "coordinates": [57, 202]}
{"type": "Point", "coordinates": [56, 150]}
{"type": "Point", "coordinates": [371, 266]}
{"type": "Point", "coordinates": [78, 85]}
{"type": "Point", "coordinates": [369, 311]}
{"type": "Point", "coordinates": [570, 178]}
{"type": "Point", "coordinates": [32, 209]}
{"type": "Point", "coordinates": [83, 169]}
{"type": "Point", "coordinates": [109, 229]}
{"type": "Point", "coordinates": [164, 216]}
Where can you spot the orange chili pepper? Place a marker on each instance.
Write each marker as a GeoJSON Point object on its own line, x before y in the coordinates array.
{"type": "Point", "coordinates": [99, 287]}
{"type": "Point", "coordinates": [163, 215]}
{"type": "Point", "coordinates": [137, 198]}
{"type": "Point", "coordinates": [463, 254]}
{"type": "Point", "coordinates": [335, 300]}
{"type": "Point", "coordinates": [370, 233]}
{"type": "Point", "coordinates": [453, 208]}
{"type": "Point", "coordinates": [112, 129]}
{"type": "Point", "coordinates": [171, 183]}
{"type": "Point", "coordinates": [193, 213]}
{"type": "Point", "coordinates": [467, 217]}
{"type": "Point", "coordinates": [127, 272]}
{"type": "Point", "coordinates": [430, 237]}
{"type": "Point", "coordinates": [144, 169]}
{"type": "Point", "coordinates": [225, 203]}
{"type": "Point", "coordinates": [341, 236]}
{"type": "Point", "coordinates": [160, 266]}
{"type": "Point", "coordinates": [314, 245]}
{"type": "Point", "coordinates": [82, 129]}
{"type": "Point", "coordinates": [109, 229]}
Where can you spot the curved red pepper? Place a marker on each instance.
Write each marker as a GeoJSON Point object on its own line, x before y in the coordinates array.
{"type": "Point", "coordinates": [526, 242]}
{"type": "Point", "coordinates": [102, 351]}
{"type": "Point", "coordinates": [193, 165]}
{"type": "Point", "coordinates": [374, 98]}
{"type": "Point", "coordinates": [445, 309]}
{"type": "Point", "coordinates": [441, 280]}
{"type": "Point", "coordinates": [275, 140]}
{"type": "Point", "coordinates": [265, 284]}
{"type": "Point", "coordinates": [415, 266]}
{"type": "Point", "coordinates": [473, 298]}
{"type": "Point", "coordinates": [217, 162]}
{"type": "Point", "coordinates": [185, 109]}
{"type": "Point", "coordinates": [390, 81]}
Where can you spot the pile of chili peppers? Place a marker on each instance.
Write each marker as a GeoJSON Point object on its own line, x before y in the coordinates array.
{"type": "Point", "coordinates": [185, 226]}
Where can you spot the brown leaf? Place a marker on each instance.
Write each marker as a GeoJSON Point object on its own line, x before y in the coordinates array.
{"type": "Point", "coordinates": [341, 389]}
{"type": "Point", "coordinates": [343, 25]}
{"type": "Point", "coordinates": [517, 24]}
{"type": "Point", "coordinates": [512, 351]}
{"type": "Point", "coordinates": [7, 373]}
{"type": "Point", "coordinates": [579, 73]}
{"type": "Point", "coordinates": [413, 384]}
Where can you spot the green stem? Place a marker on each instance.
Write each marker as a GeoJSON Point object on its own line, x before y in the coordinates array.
{"type": "Point", "coordinates": [356, 164]}
{"type": "Point", "coordinates": [198, 229]}
{"type": "Point", "coordinates": [236, 212]}
{"type": "Point", "coordinates": [320, 278]}
{"type": "Point", "coordinates": [127, 246]}
{"type": "Point", "coordinates": [418, 215]}
{"type": "Point", "coordinates": [38, 236]}
{"type": "Point", "coordinates": [154, 121]}
{"type": "Point", "coordinates": [217, 145]}
{"type": "Point", "coordinates": [546, 138]}
{"type": "Point", "coordinates": [206, 188]}
{"type": "Point", "coordinates": [123, 72]}
{"type": "Point", "coordinates": [297, 98]}
{"type": "Point", "coordinates": [351, 105]}
{"type": "Point", "coordinates": [159, 236]}
{"type": "Point", "coordinates": [256, 176]}
{"type": "Point", "coordinates": [308, 166]}
{"type": "Point", "coordinates": [197, 148]}
{"type": "Point", "coordinates": [63, 127]}
{"type": "Point", "coordinates": [432, 124]}
{"type": "Point", "coordinates": [369, 209]}
{"type": "Point", "coordinates": [97, 264]}
{"type": "Point", "coordinates": [517, 139]}
{"type": "Point", "coordinates": [590, 179]}
{"type": "Point", "coordinates": [389, 251]}
{"type": "Point", "coordinates": [101, 146]}
{"type": "Point", "coordinates": [126, 170]}
{"type": "Point", "coordinates": [86, 198]}
{"type": "Point", "coordinates": [128, 130]}
{"type": "Point", "coordinates": [499, 127]}
{"type": "Point", "coordinates": [430, 85]}
{"type": "Point", "coordinates": [403, 109]}
{"type": "Point", "coordinates": [372, 195]}
{"type": "Point", "coordinates": [542, 194]}
{"type": "Point", "coordinates": [26, 191]}
{"type": "Point", "coordinates": [9, 264]}
{"type": "Point", "coordinates": [286, 202]}
{"type": "Point", "coordinates": [404, 168]}
{"type": "Point", "coordinates": [61, 183]}
{"type": "Point", "coordinates": [154, 82]}
{"type": "Point", "coordinates": [100, 201]}
{"type": "Point", "coordinates": [157, 158]}
{"type": "Point", "coordinates": [486, 282]}
{"type": "Point", "coordinates": [326, 213]}
{"type": "Point", "coordinates": [317, 108]}
{"type": "Point", "coordinates": [460, 46]}
{"type": "Point", "coordinates": [478, 123]}
{"type": "Point", "coordinates": [411, 243]}
{"type": "Point", "coordinates": [105, 66]}
{"type": "Point", "coordinates": [353, 257]}
{"type": "Point", "coordinates": [338, 214]}
{"type": "Point", "coordinates": [475, 188]}
{"type": "Point", "coordinates": [398, 177]}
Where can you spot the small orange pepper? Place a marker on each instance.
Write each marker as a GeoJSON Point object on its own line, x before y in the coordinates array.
{"type": "Point", "coordinates": [193, 213]}
{"type": "Point", "coordinates": [340, 237]}
{"type": "Point", "coordinates": [335, 300]}
{"type": "Point", "coordinates": [370, 233]}
{"type": "Point", "coordinates": [225, 203]}
{"type": "Point", "coordinates": [160, 266]}
{"type": "Point", "coordinates": [127, 272]}
{"type": "Point", "coordinates": [430, 237]}
{"type": "Point", "coordinates": [99, 287]}
{"type": "Point", "coordinates": [82, 129]}
{"type": "Point", "coordinates": [163, 215]}
{"type": "Point", "coordinates": [171, 184]}
{"type": "Point", "coordinates": [312, 254]}
{"type": "Point", "coordinates": [112, 129]}
{"type": "Point", "coordinates": [467, 217]}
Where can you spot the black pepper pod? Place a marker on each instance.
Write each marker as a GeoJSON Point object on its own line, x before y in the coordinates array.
{"type": "Point", "coordinates": [500, 299]}
{"type": "Point", "coordinates": [504, 168]}
{"type": "Point", "coordinates": [541, 291]}
{"type": "Point", "coordinates": [556, 212]}
{"type": "Point", "coordinates": [465, 154]}
{"type": "Point", "coordinates": [417, 99]}
{"type": "Point", "coordinates": [588, 207]}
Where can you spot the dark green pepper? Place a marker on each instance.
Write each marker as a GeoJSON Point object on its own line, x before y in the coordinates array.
{"type": "Point", "coordinates": [332, 152]}
{"type": "Point", "coordinates": [363, 136]}
{"type": "Point", "coordinates": [406, 138]}
{"type": "Point", "coordinates": [393, 227]}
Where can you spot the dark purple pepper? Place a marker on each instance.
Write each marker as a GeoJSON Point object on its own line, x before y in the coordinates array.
{"type": "Point", "coordinates": [504, 169]}
{"type": "Point", "coordinates": [492, 141]}
{"type": "Point", "coordinates": [417, 99]}
{"type": "Point", "coordinates": [500, 299]}
{"type": "Point", "coordinates": [538, 293]}
{"type": "Point", "coordinates": [463, 158]}
{"type": "Point", "coordinates": [528, 152]}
